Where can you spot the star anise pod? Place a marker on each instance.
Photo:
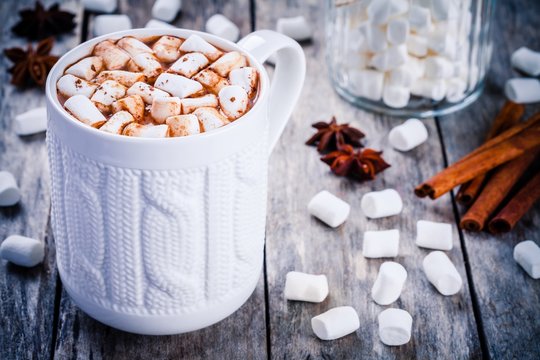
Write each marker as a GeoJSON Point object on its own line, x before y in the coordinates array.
{"type": "Point", "coordinates": [360, 165]}
{"type": "Point", "coordinates": [39, 23]}
{"type": "Point", "coordinates": [31, 67]}
{"type": "Point", "coordinates": [330, 136]}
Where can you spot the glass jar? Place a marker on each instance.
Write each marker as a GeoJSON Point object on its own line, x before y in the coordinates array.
{"type": "Point", "coordinates": [415, 58]}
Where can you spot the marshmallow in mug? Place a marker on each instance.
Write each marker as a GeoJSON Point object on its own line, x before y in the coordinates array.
{"type": "Point", "coordinates": [219, 25]}
{"type": "Point", "coordinates": [146, 131]}
{"type": "Point", "coordinates": [183, 125]}
{"type": "Point", "coordinates": [377, 204]}
{"type": "Point", "coordinates": [9, 191]}
{"type": "Point", "coordinates": [395, 327]}
{"type": "Point", "coordinates": [117, 122]}
{"type": "Point", "coordinates": [442, 273]}
{"type": "Point", "coordinates": [305, 287]}
{"type": "Point", "coordinates": [408, 135]}
{"type": "Point", "coordinates": [84, 110]}
{"type": "Point", "coordinates": [383, 243]}
{"type": "Point", "coordinates": [189, 105]}
{"type": "Point", "coordinates": [106, 24]}
{"type": "Point", "coordinates": [389, 283]}
{"type": "Point", "coordinates": [22, 250]}
{"type": "Point", "coordinates": [329, 209]}
{"type": "Point", "coordinates": [165, 107]}
{"type": "Point", "coordinates": [527, 255]}
{"type": "Point", "coordinates": [166, 48]}
{"type": "Point", "coordinates": [434, 235]}
{"type": "Point", "coordinates": [335, 323]}
{"type": "Point", "coordinates": [147, 92]}
{"type": "Point", "coordinates": [31, 122]}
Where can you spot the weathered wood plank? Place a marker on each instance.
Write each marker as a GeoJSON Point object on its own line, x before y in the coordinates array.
{"type": "Point", "coordinates": [509, 300]}
{"type": "Point", "coordinates": [443, 327]}
{"type": "Point", "coordinates": [242, 334]}
{"type": "Point", "coordinates": [27, 304]}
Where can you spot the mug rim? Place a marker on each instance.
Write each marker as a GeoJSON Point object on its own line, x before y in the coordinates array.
{"type": "Point", "coordinates": [65, 60]}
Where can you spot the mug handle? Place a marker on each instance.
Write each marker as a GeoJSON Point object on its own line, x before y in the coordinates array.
{"type": "Point", "coordinates": [288, 76]}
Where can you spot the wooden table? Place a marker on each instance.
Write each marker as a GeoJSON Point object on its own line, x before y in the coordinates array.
{"type": "Point", "coordinates": [496, 315]}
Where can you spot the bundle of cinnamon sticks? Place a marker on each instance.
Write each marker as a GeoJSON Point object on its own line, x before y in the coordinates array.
{"type": "Point", "coordinates": [489, 174]}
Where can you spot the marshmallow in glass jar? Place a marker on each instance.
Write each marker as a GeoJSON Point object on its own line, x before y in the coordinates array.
{"type": "Point", "coordinates": [407, 57]}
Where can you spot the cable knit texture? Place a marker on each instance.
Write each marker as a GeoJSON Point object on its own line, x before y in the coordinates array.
{"type": "Point", "coordinates": [158, 242]}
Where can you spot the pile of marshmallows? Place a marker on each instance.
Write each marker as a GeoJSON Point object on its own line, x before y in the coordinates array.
{"type": "Point", "coordinates": [402, 50]}
{"type": "Point", "coordinates": [99, 84]}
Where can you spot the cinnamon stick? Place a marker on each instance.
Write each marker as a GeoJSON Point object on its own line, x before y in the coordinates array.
{"type": "Point", "coordinates": [482, 160]}
{"type": "Point", "coordinates": [509, 115]}
{"type": "Point", "coordinates": [496, 189]}
{"type": "Point", "coordinates": [507, 218]}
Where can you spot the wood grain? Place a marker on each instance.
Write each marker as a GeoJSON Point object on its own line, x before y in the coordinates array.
{"type": "Point", "coordinates": [27, 296]}
{"type": "Point", "coordinates": [242, 334]}
{"type": "Point", "coordinates": [508, 300]}
{"type": "Point", "coordinates": [443, 327]}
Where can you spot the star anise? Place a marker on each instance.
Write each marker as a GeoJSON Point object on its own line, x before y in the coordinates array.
{"type": "Point", "coordinates": [360, 165]}
{"type": "Point", "coordinates": [330, 136]}
{"type": "Point", "coordinates": [39, 23]}
{"type": "Point", "coordinates": [31, 67]}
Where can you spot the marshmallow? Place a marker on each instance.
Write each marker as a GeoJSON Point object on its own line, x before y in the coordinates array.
{"type": "Point", "coordinates": [233, 100]}
{"type": "Point", "coordinates": [294, 27]}
{"type": "Point", "coordinates": [329, 209]}
{"type": "Point", "coordinates": [379, 11]}
{"type": "Point", "coordinates": [375, 38]}
{"type": "Point", "coordinates": [108, 92]}
{"type": "Point", "coordinates": [417, 45]}
{"type": "Point", "coordinates": [146, 63]}
{"type": "Point", "coordinates": [105, 6]}
{"type": "Point", "coordinates": [417, 67]}
{"type": "Point", "coordinates": [527, 255]}
{"type": "Point", "coordinates": [397, 31]}
{"type": "Point", "coordinates": [195, 43]}
{"type": "Point", "coordinates": [438, 68]}
{"type": "Point", "coordinates": [189, 105]}
{"type": "Point", "coordinates": [31, 122]}
{"type": "Point", "coordinates": [526, 60]}
{"type": "Point", "coordinates": [389, 283]}
{"type": "Point", "coordinates": [106, 24]}
{"type": "Point", "coordinates": [442, 273]}
{"type": "Point", "coordinates": [166, 48]}
{"type": "Point", "coordinates": [306, 287]}
{"type": "Point", "coordinates": [9, 191]}
{"type": "Point", "coordinates": [69, 85]}
{"type": "Point", "coordinates": [434, 89]}
{"type": "Point", "coordinates": [133, 46]}
{"type": "Point", "coordinates": [245, 77]}
{"type": "Point", "coordinates": [367, 83]}
{"type": "Point", "coordinates": [522, 91]}
{"type": "Point", "coordinates": [189, 64]}
{"type": "Point", "coordinates": [226, 63]}
{"type": "Point", "coordinates": [221, 26]}
{"type": "Point", "coordinates": [84, 110]}
{"type": "Point", "coordinates": [166, 10]}
{"type": "Point", "coordinates": [183, 125]}
{"type": "Point", "coordinates": [126, 78]}
{"type": "Point", "coordinates": [395, 327]}
{"type": "Point", "coordinates": [86, 68]}
{"type": "Point", "coordinates": [117, 122]}
{"type": "Point", "coordinates": [408, 135]}
{"type": "Point", "coordinates": [444, 9]}
{"type": "Point", "coordinates": [443, 43]}
{"type": "Point", "coordinates": [335, 323]}
{"type": "Point", "coordinates": [419, 18]}
{"type": "Point", "coordinates": [396, 96]}
{"type": "Point", "coordinates": [146, 131]}
{"type": "Point", "coordinates": [147, 92]}
{"type": "Point", "coordinates": [211, 80]}
{"type": "Point", "coordinates": [158, 24]}
{"type": "Point", "coordinates": [379, 244]}
{"type": "Point", "coordinates": [113, 57]}
{"type": "Point", "coordinates": [455, 90]}
{"type": "Point", "coordinates": [390, 58]}
{"type": "Point", "coordinates": [133, 104]}
{"type": "Point", "coordinates": [402, 76]}
{"type": "Point", "coordinates": [22, 250]}
{"type": "Point", "coordinates": [378, 204]}
{"type": "Point", "coordinates": [210, 118]}
{"type": "Point", "coordinates": [163, 107]}
{"type": "Point", "coordinates": [434, 235]}
{"type": "Point", "coordinates": [177, 85]}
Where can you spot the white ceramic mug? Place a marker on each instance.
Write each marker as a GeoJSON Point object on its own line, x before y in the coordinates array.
{"type": "Point", "coordinates": [164, 236]}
